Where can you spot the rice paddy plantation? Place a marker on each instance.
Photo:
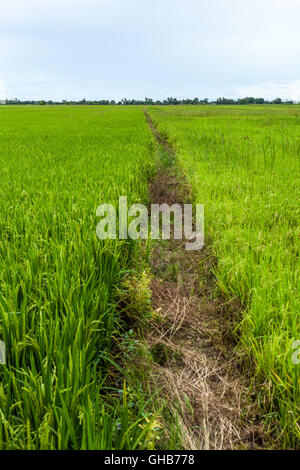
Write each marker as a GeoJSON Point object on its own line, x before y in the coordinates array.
{"type": "Point", "coordinates": [243, 163]}
{"type": "Point", "coordinates": [59, 317]}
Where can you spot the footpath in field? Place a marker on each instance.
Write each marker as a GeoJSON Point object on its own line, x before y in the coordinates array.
{"type": "Point", "coordinates": [196, 367]}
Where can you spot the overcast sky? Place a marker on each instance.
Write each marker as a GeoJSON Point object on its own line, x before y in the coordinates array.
{"type": "Point", "coordinates": [93, 49]}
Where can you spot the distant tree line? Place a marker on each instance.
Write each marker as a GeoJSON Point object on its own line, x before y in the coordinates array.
{"type": "Point", "coordinates": [150, 101]}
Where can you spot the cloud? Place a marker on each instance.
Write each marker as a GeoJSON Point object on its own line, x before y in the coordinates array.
{"type": "Point", "coordinates": [270, 90]}
{"type": "Point", "coordinates": [112, 48]}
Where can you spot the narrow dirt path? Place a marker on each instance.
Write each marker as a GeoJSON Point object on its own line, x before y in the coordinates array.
{"type": "Point", "coordinates": [196, 365]}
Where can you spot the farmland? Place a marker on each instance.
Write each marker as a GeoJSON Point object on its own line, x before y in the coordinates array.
{"type": "Point", "coordinates": [59, 317]}
{"type": "Point", "coordinates": [243, 163]}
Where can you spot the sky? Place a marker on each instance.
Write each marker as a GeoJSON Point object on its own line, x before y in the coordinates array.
{"type": "Point", "coordinates": [114, 49]}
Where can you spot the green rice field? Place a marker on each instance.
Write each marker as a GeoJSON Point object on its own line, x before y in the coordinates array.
{"type": "Point", "coordinates": [59, 317]}
{"type": "Point", "coordinates": [244, 165]}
